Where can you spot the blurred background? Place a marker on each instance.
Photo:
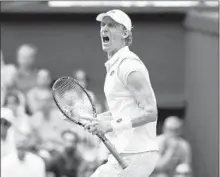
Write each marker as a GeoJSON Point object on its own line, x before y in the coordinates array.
{"type": "Point", "coordinates": [41, 41]}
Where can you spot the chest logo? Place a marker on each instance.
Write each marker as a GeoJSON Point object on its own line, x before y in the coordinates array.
{"type": "Point", "coordinates": [112, 72]}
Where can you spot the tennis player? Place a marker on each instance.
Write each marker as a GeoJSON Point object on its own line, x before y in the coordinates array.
{"type": "Point", "coordinates": [132, 115]}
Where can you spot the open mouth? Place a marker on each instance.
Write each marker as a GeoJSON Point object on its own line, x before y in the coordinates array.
{"type": "Point", "coordinates": [105, 39]}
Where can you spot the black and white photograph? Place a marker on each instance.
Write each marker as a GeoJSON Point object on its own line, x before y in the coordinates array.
{"type": "Point", "coordinates": [109, 88]}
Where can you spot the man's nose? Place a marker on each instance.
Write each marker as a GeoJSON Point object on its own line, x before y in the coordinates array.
{"type": "Point", "coordinates": [103, 29]}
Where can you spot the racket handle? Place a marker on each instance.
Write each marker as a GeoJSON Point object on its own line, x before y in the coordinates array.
{"type": "Point", "coordinates": [113, 151]}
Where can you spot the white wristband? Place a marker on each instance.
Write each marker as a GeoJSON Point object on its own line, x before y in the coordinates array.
{"type": "Point", "coordinates": [121, 125]}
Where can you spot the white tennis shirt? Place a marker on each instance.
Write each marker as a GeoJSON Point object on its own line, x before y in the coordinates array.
{"type": "Point", "coordinates": [123, 105]}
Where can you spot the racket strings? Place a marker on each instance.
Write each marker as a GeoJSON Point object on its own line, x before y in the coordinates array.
{"type": "Point", "coordinates": [58, 84]}
{"type": "Point", "coordinates": [67, 85]}
{"type": "Point", "coordinates": [67, 96]}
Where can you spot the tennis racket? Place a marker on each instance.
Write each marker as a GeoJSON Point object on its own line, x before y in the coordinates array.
{"type": "Point", "coordinates": [67, 94]}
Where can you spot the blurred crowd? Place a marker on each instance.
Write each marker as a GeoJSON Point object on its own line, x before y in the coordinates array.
{"type": "Point", "coordinates": [37, 142]}
{"type": "Point", "coordinates": [34, 135]}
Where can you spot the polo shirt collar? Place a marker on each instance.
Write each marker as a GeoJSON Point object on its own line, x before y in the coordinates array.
{"type": "Point", "coordinates": [115, 57]}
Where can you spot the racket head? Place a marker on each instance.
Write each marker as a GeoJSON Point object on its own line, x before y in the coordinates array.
{"type": "Point", "coordinates": [72, 99]}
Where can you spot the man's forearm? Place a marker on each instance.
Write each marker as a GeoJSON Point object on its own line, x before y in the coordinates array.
{"type": "Point", "coordinates": [145, 118]}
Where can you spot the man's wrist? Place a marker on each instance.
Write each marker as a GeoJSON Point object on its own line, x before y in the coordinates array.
{"type": "Point", "coordinates": [121, 125]}
{"type": "Point", "coordinates": [110, 128]}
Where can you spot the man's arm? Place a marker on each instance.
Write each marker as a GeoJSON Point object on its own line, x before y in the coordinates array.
{"type": "Point", "coordinates": [141, 90]}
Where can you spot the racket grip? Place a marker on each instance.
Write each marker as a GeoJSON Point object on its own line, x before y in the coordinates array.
{"type": "Point", "coordinates": [113, 151]}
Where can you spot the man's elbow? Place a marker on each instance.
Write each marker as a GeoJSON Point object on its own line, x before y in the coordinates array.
{"type": "Point", "coordinates": [152, 115]}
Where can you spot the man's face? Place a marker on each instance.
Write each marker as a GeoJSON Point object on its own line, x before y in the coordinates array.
{"type": "Point", "coordinates": [111, 35]}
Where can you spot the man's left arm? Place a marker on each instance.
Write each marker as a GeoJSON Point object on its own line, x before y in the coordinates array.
{"type": "Point", "coordinates": [141, 89]}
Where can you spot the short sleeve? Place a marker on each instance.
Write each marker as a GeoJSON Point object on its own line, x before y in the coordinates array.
{"type": "Point", "coordinates": [128, 66]}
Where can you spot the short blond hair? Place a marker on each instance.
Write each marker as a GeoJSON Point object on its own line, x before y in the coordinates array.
{"type": "Point", "coordinates": [129, 39]}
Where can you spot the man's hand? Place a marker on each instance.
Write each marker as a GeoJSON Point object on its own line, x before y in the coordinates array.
{"type": "Point", "coordinates": [99, 126]}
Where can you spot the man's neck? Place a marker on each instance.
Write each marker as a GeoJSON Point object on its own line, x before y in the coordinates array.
{"type": "Point", "coordinates": [110, 54]}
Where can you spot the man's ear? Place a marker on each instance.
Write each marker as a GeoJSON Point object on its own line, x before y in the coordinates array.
{"type": "Point", "coordinates": [125, 34]}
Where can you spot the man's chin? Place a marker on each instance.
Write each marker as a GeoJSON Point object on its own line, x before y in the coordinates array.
{"type": "Point", "coordinates": [105, 48]}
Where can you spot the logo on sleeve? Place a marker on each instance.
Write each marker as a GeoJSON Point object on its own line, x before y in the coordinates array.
{"type": "Point", "coordinates": [112, 72]}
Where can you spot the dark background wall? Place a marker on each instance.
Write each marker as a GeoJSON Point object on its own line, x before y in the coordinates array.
{"type": "Point", "coordinates": [69, 43]}
{"type": "Point", "coordinates": [201, 88]}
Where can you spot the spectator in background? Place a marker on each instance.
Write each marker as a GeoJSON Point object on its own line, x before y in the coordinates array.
{"type": "Point", "coordinates": [8, 77]}
{"type": "Point", "coordinates": [45, 119]}
{"type": "Point", "coordinates": [48, 125]}
{"type": "Point", "coordinates": [21, 162]}
{"type": "Point", "coordinates": [39, 98]}
{"type": "Point", "coordinates": [13, 103]}
{"type": "Point", "coordinates": [7, 134]}
{"type": "Point", "coordinates": [81, 76]}
{"type": "Point", "coordinates": [174, 150]}
{"type": "Point", "coordinates": [67, 163]}
{"type": "Point", "coordinates": [27, 73]}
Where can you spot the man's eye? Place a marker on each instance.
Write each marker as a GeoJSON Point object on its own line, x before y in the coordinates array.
{"type": "Point", "coordinates": [110, 25]}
